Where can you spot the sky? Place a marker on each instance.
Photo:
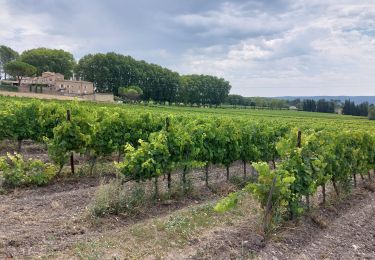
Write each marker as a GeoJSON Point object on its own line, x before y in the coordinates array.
{"type": "Point", "coordinates": [262, 47]}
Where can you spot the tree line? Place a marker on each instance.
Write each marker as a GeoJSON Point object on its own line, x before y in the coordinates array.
{"type": "Point", "coordinates": [333, 106]}
{"type": "Point", "coordinates": [309, 105]}
{"type": "Point", "coordinates": [322, 105]}
{"type": "Point", "coordinates": [350, 108]}
{"type": "Point", "coordinates": [241, 101]}
{"type": "Point", "coordinates": [111, 71]}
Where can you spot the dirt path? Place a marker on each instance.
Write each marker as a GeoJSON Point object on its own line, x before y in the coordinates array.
{"type": "Point", "coordinates": [37, 221]}
{"type": "Point", "coordinates": [350, 233]}
{"type": "Point", "coordinates": [36, 95]}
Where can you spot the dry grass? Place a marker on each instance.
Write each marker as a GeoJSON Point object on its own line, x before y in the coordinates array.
{"type": "Point", "coordinates": [37, 95]}
{"type": "Point", "coordinates": [369, 186]}
{"type": "Point", "coordinates": [157, 237]}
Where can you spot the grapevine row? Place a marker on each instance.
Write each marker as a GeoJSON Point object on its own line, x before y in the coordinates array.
{"type": "Point", "coordinates": [154, 144]}
{"type": "Point", "coordinates": [306, 162]}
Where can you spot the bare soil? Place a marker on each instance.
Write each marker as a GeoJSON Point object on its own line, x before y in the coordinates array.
{"type": "Point", "coordinates": [37, 221]}
{"type": "Point", "coordinates": [343, 230]}
{"type": "Point", "coordinates": [348, 232]}
{"type": "Point", "coordinates": [36, 95]}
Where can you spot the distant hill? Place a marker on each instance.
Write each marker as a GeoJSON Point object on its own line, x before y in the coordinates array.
{"type": "Point", "coordinates": [356, 99]}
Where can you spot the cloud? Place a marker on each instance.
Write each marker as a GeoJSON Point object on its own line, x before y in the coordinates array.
{"type": "Point", "coordinates": [267, 48]}
{"type": "Point", "coordinates": [24, 30]}
{"type": "Point", "coordinates": [233, 21]}
{"type": "Point", "coordinates": [329, 50]}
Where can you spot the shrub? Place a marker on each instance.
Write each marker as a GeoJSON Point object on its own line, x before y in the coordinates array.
{"type": "Point", "coordinates": [16, 171]}
{"type": "Point", "coordinates": [132, 93]}
{"type": "Point", "coordinates": [371, 113]}
{"type": "Point", "coordinates": [115, 198]}
{"type": "Point", "coordinates": [281, 199]}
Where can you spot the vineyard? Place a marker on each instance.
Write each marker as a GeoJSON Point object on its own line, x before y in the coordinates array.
{"type": "Point", "coordinates": [292, 154]}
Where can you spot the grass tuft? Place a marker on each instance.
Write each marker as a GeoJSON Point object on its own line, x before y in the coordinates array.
{"type": "Point", "coordinates": [116, 198]}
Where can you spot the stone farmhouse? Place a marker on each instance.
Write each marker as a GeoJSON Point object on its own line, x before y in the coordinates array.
{"type": "Point", "coordinates": [55, 83]}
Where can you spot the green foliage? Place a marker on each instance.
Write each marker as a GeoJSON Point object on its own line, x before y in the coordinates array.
{"type": "Point", "coordinates": [149, 160]}
{"type": "Point", "coordinates": [259, 102]}
{"type": "Point", "coordinates": [228, 202]}
{"type": "Point", "coordinates": [350, 108]}
{"type": "Point", "coordinates": [19, 69]}
{"type": "Point", "coordinates": [70, 136]}
{"type": "Point", "coordinates": [323, 155]}
{"type": "Point", "coordinates": [25, 123]}
{"type": "Point", "coordinates": [183, 226]}
{"type": "Point", "coordinates": [104, 135]}
{"type": "Point", "coordinates": [48, 116]}
{"type": "Point", "coordinates": [371, 113]}
{"type": "Point", "coordinates": [249, 143]}
{"type": "Point", "coordinates": [298, 161]}
{"type": "Point", "coordinates": [282, 197]}
{"type": "Point", "coordinates": [6, 55]}
{"type": "Point", "coordinates": [203, 90]}
{"type": "Point", "coordinates": [115, 198]}
{"type": "Point", "coordinates": [111, 71]}
{"type": "Point", "coordinates": [182, 145]}
{"type": "Point", "coordinates": [151, 147]}
{"type": "Point", "coordinates": [53, 60]}
{"type": "Point", "coordinates": [229, 143]}
{"type": "Point", "coordinates": [8, 87]}
{"type": "Point", "coordinates": [20, 122]}
{"type": "Point", "coordinates": [17, 171]}
{"type": "Point", "coordinates": [205, 137]}
{"type": "Point", "coordinates": [321, 106]}
{"type": "Point", "coordinates": [130, 93]}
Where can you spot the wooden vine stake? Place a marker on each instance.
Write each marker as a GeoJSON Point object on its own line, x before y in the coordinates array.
{"type": "Point", "coordinates": [71, 155]}
{"type": "Point", "coordinates": [206, 168]}
{"type": "Point", "coordinates": [335, 187]}
{"type": "Point", "coordinates": [184, 173]}
{"type": "Point", "coordinates": [156, 187]}
{"type": "Point", "coordinates": [244, 169]}
{"type": "Point", "coordinates": [184, 181]}
{"type": "Point", "coordinates": [268, 213]}
{"type": "Point", "coordinates": [299, 144]}
{"type": "Point", "coordinates": [169, 177]}
{"type": "Point", "coordinates": [299, 139]}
